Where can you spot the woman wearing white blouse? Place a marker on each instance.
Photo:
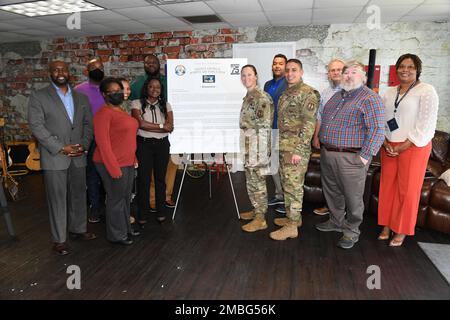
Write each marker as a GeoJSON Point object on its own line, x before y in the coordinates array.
{"type": "Point", "coordinates": [411, 115]}
{"type": "Point", "coordinates": [155, 117]}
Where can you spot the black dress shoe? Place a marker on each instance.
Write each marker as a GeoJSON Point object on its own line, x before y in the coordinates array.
{"type": "Point", "coordinates": [61, 249]}
{"type": "Point", "coordinates": [125, 242]}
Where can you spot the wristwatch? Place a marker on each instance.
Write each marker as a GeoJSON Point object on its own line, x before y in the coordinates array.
{"type": "Point", "coordinates": [161, 126]}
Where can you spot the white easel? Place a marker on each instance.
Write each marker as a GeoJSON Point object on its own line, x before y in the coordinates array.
{"type": "Point", "coordinates": [188, 161]}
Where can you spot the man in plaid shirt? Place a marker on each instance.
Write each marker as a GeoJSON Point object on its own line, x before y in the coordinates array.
{"type": "Point", "coordinates": [351, 132]}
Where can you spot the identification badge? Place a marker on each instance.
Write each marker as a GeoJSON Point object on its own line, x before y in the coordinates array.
{"type": "Point", "coordinates": [392, 124]}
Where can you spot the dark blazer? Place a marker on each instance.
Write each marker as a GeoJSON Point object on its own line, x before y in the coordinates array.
{"type": "Point", "coordinates": [50, 124]}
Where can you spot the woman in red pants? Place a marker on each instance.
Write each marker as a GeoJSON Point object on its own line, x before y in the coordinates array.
{"type": "Point", "coordinates": [411, 115]}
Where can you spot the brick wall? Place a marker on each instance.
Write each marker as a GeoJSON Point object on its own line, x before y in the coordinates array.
{"type": "Point", "coordinates": [122, 55]}
{"type": "Point", "coordinates": [23, 66]}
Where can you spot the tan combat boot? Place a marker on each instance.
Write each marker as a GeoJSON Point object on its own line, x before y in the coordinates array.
{"type": "Point", "coordinates": [281, 222]}
{"type": "Point", "coordinates": [289, 230]}
{"type": "Point", "coordinates": [259, 223]}
{"type": "Point", "coordinates": [248, 215]}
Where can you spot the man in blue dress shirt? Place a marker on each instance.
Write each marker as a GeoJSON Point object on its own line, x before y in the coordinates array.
{"type": "Point", "coordinates": [275, 89]}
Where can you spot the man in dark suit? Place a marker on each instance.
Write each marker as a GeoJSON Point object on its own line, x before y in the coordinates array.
{"type": "Point", "coordinates": [275, 89]}
{"type": "Point", "coordinates": [61, 120]}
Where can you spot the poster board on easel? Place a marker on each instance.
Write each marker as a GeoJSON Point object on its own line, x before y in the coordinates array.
{"type": "Point", "coordinates": [206, 97]}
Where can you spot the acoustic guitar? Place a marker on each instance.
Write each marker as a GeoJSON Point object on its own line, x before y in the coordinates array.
{"type": "Point", "coordinates": [33, 161]}
{"type": "Point", "coordinates": [9, 183]}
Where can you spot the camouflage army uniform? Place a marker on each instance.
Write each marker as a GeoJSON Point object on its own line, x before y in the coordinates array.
{"type": "Point", "coordinates": [256, 122]}
{"type": "Point", "coordinates": [297, 109]}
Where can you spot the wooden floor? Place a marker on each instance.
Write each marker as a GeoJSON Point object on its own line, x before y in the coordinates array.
{"type": "Point", "coordinates": [205, 255]}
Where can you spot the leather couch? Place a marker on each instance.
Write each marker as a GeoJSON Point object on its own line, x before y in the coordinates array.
{"type": "Point", "coordinates": [434, 209]}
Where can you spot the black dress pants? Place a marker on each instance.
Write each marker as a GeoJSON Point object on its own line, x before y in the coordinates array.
{"type": "Point", "coordinates": [151, 154]}
{"type": "Point", "coordinates": [118, 198]}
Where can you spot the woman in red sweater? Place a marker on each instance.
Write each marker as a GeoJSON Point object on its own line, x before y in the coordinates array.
{"type": "Point", "coordinates": [115, 135]}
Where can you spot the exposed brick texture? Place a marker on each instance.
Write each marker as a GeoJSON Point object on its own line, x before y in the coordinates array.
{"type": "Point", "coordinates": [121, 54]}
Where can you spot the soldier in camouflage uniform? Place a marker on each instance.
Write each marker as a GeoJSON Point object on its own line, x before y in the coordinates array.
{"type": "Point", "coordinates": [297, 109]}
{"type": "Point", "coordinates": [255, 122]}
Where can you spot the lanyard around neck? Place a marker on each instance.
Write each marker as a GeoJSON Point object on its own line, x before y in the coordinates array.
{"type": "Point", "coordinates": [397, 102]}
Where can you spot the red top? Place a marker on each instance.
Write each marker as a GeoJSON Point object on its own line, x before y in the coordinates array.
{"type": "Point", "coordinates": [115, 135]}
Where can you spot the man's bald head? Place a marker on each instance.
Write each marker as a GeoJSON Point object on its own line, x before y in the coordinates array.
{"type": "Point", "coordinates": [95, 70]}
{"type": "Point", "coordinates": [95, 63]}
{"type": "Point", "coordinates": [59, 72]}
{"type": "Point", "coordinates": [151, 65]}
{"type": "Point", "coordinates": [57, 62]}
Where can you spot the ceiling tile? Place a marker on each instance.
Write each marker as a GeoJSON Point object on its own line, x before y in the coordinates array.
{"type": "Point", "coordinates": [94, 27]}
{"type": "Point", "coordinates": [383, 3]}
{"type": "Point", "coordinates": [61, 19]}
{"type": "Point", "coordinates": [33, 32]}
{"type": "Point", "coordinates": [332, 20]}
{"type": "Point", "coordinates": [387, 13]}
{"type": "Point", "coordinates": [427, 2]}
{"type": "Point", "coordinates": [32, 23]}
{"type": "Point", "coordinates": [245, 19]}
{"type": "Point", "coordinates": [289, 18]}
{"type": "Point", "coordinates": [165, 23]}
{"type": "Point", "coordinates": [276, 5]}
{"type": "Point", "coordinates": [437, 10]}
{"type": "Point", "coordinates": [187, 9]}
{"type": "Point", "coordinates": [4, 15]}
{"type": "Point", "coordinates": [143, 13]}
{"type": "Point", "coordinates": [233, 6]}
{"type": "Point", "coordinates": [337, 13]}
{"type": "Point", "coordinates": [341, 3]}
{"type": "Point", "coordinates": [6, 26]}
{"type": "Point", "coordinates": [391, 11]}
{"type": "Point", "coordinates": [116, 4]}
{"type": "Point", "coordinates": [103, 16]}
{"type": "Point", "coordinates": [126, 25]}
{"type": "Point", "coordinates": [205, 26]}
{"type": "Point", "coordinates": [4, 2]}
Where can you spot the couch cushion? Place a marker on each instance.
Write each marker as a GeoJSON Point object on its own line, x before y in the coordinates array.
{"type": "Point", "coordinates": [438, 217]}
{"type": "Point", "coordinates": [422, 216]}
{"type": "Point", "coordinates": [440, 197]}
{"type": "Point", "coordinates": [440, 150]}
{"type": "Point", "coordinates": [426, 191]}
{"type": "Point", "coordinates": [434, 168]}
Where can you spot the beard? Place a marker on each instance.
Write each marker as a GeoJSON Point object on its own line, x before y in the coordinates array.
{"type": "Point", "coordinates": [151, 73]}
{"type": "Point", "coordinates": [348, 86]}
{"type": "Point", "coordinates": [60, 81]}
